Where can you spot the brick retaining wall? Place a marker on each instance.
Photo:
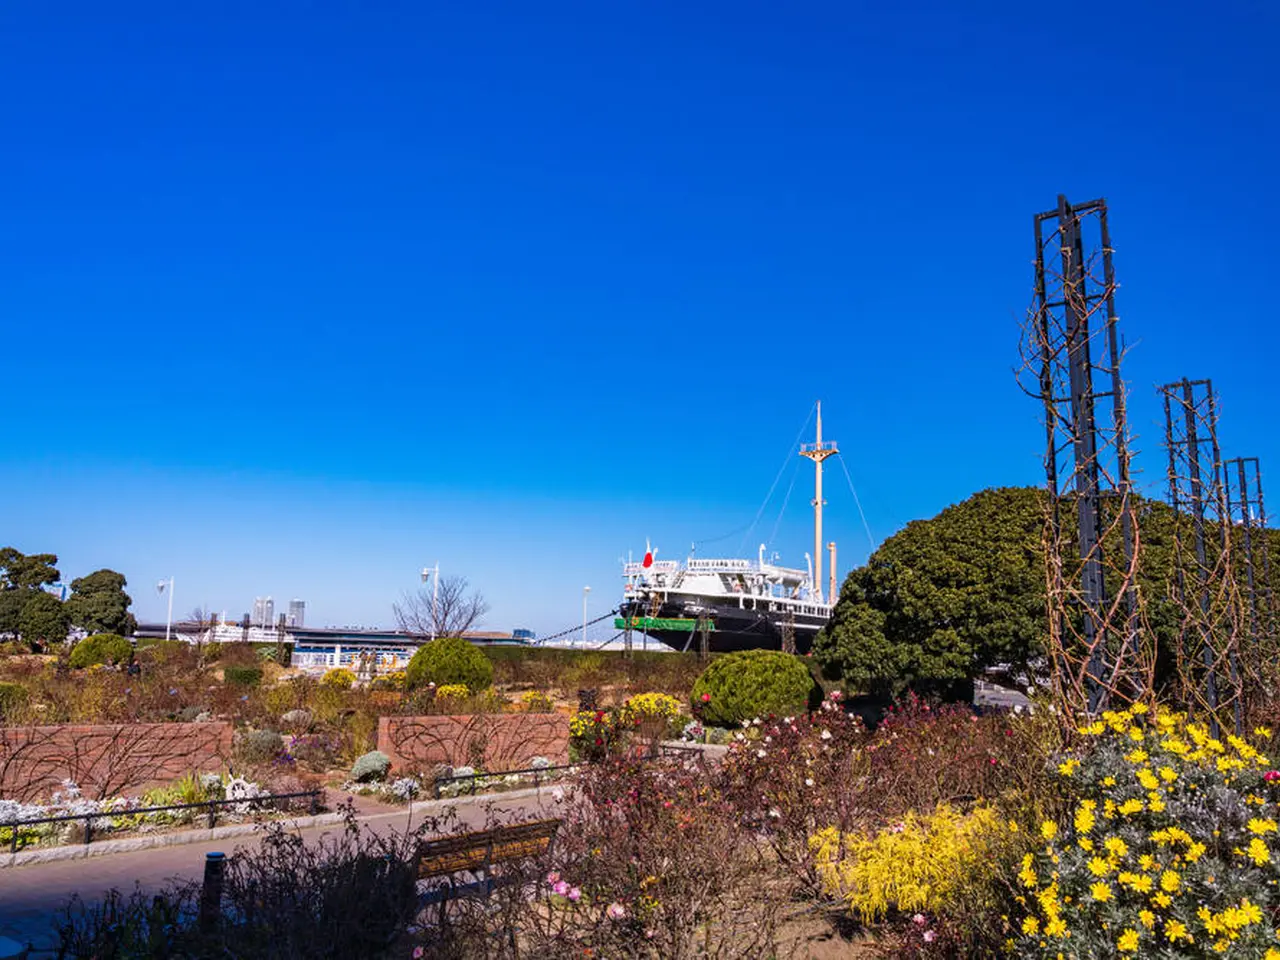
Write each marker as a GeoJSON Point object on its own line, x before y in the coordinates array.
{"type": "Point", "coordinates": [502, 741]}
{"type": "Point", "coordinates": [107, 759]}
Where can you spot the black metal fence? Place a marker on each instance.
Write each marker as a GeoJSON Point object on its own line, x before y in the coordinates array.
{"type": "Point", "coordinates": [312, 795]}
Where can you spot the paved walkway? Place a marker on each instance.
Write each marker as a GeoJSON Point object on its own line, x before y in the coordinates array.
{"type": "Point", "coordinates": [31, 896]}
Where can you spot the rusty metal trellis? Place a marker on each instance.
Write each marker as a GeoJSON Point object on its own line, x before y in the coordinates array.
{"type": "Point", "coordinates": [1071, 354]}
{"type": "Point", "coordinates": [1204, 589]}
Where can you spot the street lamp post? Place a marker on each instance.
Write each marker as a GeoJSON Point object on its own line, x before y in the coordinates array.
{"type": "Point", "coordinates": [434, 574]}
{"type": "Point", "coordinates": [585, 591]}
{"type": "Point", "coordinates": [160, 588]}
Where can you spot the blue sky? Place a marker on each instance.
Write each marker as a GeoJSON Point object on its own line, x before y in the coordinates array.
{"type": "Point", "coordinates": [299, 297]}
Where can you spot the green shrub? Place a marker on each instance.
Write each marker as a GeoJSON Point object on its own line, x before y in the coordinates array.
{"type": "Point", "coordinates": [371, 767]}
{"type": "Point", "coordinates": [13, 696]}
{"type": "Point", "coordinates": [753, 683]}
{"type": "Point", "coordinates": [242, 676]}
{"type": "Point", "coordinates": [339, 677]}
{"type": "Point", "coordinates": [261, 746]}
{"type": "Point", "coordinates": [450, 660]}
{"type": "Point", "coordinates": [101, 648]}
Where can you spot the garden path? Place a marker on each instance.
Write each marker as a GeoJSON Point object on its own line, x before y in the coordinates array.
{"type": "Point", "coordinates": [31, 896]}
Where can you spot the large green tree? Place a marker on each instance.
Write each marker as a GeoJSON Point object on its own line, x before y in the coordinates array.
{"type": "Point", "coordinates": [943, 598]}
{"type": "Point", "coordinates": [98, 604]}
{"type": "Point", "coordinates": [43, 620]}
{"type": "Point", "coordinates": [19, 571]}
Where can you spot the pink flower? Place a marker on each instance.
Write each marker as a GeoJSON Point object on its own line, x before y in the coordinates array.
{"type": "Point", "coordinates": [418, 953]}
{"type": "Point", "coordinates": [1271, 776]}
{"type": "Point", "coordinates": [560, 889]}
{"type": "Point", "coordinates": [575, 894]}
{"type": "Point", "coordinates": [553, 878]}
{"type": "Point", "coordinates": [706, 698]}
{"type": "Point", "coordinates": [929, 936]}
{"type": "Point", "coordinates": [918, 918]}
{"type": "Point", "coordinates": [616, 911]}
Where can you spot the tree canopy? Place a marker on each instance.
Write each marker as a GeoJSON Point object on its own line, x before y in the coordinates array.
{"type": "Point", "coordinates": [943, 598]}
{"type": "Point", "coordinates": [43, 619]}
{"type": "Point", "coordinates": [98, 604]}
{"type": "Point", "coordinates": [19, 571]}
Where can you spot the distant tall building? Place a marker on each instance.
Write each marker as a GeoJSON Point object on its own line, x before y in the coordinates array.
{"type": "Point", "coordinates": [264, 612]}
{"type": "Point", "coordinates": [297, 613]}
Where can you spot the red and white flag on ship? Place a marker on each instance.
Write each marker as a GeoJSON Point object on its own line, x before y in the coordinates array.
{"type": "Point", "coordinates": [648, 556]}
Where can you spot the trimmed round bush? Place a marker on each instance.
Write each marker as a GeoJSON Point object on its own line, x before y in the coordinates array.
{"type": "Point", "coordinates": [101, 648]}
{"type": "Point", "coordinates": [339, 677]}
{"type": "Point", "coordinates": [450, 660]}
{"type": "Point", "coordinates": [753, 683]}
{"type": "Point", "coordinates": [372, 766]}
{"type": "Point", "coordinates": [13, 696]}
{"type": "Point", "coordinates": [242, 676]}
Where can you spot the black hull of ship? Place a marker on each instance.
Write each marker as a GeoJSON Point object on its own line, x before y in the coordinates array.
{"type": "Point", "coordinates": [734, 629]}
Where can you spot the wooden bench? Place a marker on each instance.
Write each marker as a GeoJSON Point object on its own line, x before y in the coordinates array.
{"type": "Point", "coordinates": [478, 853]}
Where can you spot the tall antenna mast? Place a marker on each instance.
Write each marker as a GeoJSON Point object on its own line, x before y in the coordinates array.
{"type": "Point", "coordinates": [817, 452]}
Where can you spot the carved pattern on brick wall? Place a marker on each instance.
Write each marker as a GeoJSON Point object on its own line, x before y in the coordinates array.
{"type": "Point", "coordinates": [108, 759]}
{"type": "Point", "coordinates": [496, 741]}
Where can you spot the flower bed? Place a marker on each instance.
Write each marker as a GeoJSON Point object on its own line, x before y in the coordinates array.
{"type": "Point", "coordinates": [129, 814]}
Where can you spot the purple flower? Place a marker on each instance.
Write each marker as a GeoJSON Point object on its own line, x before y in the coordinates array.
{"type": "Point", "coordinates": [575, 894]}
{"type": "Point", "coordinates": [553, 878]}
{"type": "Point", "coordinates": [560, 888]}
{"type": "Point", "coordinates": [616, 911]}
{"type": "Point", "coordinates": [929, 936]}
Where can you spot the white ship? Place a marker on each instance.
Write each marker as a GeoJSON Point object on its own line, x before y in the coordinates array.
{"type": "Point", "coordinates": [735, 604]}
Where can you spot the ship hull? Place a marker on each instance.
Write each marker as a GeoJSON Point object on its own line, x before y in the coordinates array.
{"type": "Point", "coordinates": [733, 629]}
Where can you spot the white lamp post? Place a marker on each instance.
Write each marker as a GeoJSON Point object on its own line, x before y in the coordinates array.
{"type": "Point", "coordinates": [585, 591]}
{"type": "Point", "coordinates": [434, 575]}
{"type": "Point", "coordinates": [160, 588]}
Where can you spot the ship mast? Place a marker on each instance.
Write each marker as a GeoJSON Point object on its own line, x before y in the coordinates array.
{"type": "Point", "coordinates": [817, 452]}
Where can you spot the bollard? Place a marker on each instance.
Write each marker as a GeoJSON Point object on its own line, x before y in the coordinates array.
{"type": "Point", "coordinates": [211, 893]}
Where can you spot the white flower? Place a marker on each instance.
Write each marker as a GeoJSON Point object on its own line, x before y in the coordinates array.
{"type": "Point", "coordinates": [768, 739]}
{"type": "Point", "coordinates": [1017, 708]}
{"type": "Point", "coordinates": [826, 734]}
{"type": "Point", "coordinates": [788, 720]}
{"type": "Point", "coordinates": [808, 781]}
{"type": "Point", "coordinates": [557, 794]}
{"type": "Point", "coordinates": [761, 754]}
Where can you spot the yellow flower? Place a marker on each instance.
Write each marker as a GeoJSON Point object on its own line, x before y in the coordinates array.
{"type": "Point", "coordinates": [1138, 709]}
{"type": "Point", "coordinates": [1142, 883]}
{"type": "Point", "coordinates": [1136, 756]}
{"type": "Point", "coordinates": [1085, 820]}
{"type": "Point", "coordinates": [1147, 779]}
{"type": "Point", "coordinates": [1048, 829]}
{"type": "Point", "coordinates": [1128, 942]}
{"type": "Point", "coordinates": [1108, 781]}
{"type": "Point", "coordinates": [1168, 775]}
{"type": "Point", "coordinates": [1251, 912]}
{"type": "Point", "coordinates": [1116, 847]}
{"type": "Point", "coordinates": [1147, 862]}
{"type": "Point", "coordinates": [1156, 805]}
{"type": "Point", "coordinates": [1263, 732]}
{"type": "Point", "coordinates": [1055, 927]}
{"type": "Point", "coordinates": [1068, 766]}
{"type": "Point", "coordinates": [1030, 926]}
{"type": "Point", "coordinates": [1099, 867]}
{"type": "Point", "coordinates": [1094, 729]}
{"type": "Point", "coordinates": [1170, 881]}
{"type": "Point", "coordinates": [1084, 843]}
{"type": "Point", "coordinates": [1130, 806]}
{"type": "Point", "coordinates": [1176, 930]}
{"type": "Point", "coordinates": [1261, 827]}
{"type": "Point", "coordinates": [1162, 900]}
{"type": "Point", "coordinates": [1147, 918]}
{"type": "Point", "coordinates": [1258, 852]}
{"type": "Point", "coordinates": [1100, 892]}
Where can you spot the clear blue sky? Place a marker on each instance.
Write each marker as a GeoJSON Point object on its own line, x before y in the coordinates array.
{"type": "Point", "coordinates": [299, 297]}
